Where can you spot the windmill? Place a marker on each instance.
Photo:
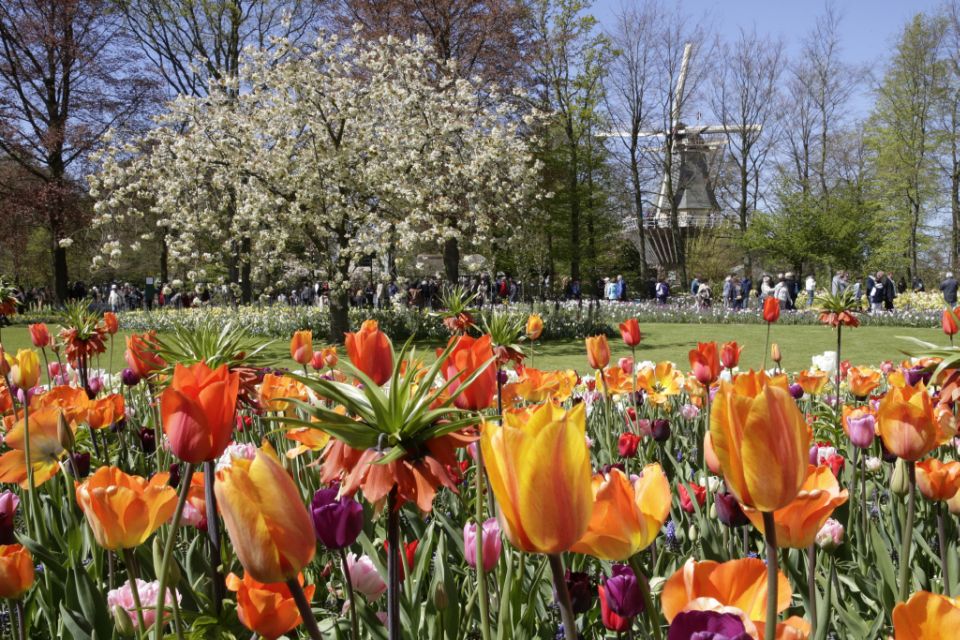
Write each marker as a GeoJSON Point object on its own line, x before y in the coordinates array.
{"type": "Point", "coordinates": [697, 152]}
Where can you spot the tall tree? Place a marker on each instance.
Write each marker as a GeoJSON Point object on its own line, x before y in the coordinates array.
{"type": "Point", "coordinates": [746, 98]}
{"type": "Point", "coordinates": [903, 133]}
{"type": "Point", "coordinates": [629, 88]}
{"type": "Point", "coordinates": [570, 59]}
{"type": "Point", "coordinates": [951, 125]}
{"type": "Point", "coordinates": [65, 78]}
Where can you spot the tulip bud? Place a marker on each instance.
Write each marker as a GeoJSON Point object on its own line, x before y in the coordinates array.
{"type": "Point", "coordinates": [661, 429]}
{"type": "Point", "coordinates": [337, 521]}
{"type": "Point", "coordinates": [830, 535]}
{"type": "Point", "coordinates": [775, 354]}
{"type": "Point", "coordinates": [693, 534]}
{"type": "Point", "coordinates": [899, 482]}
{"type": "Point", "coordinates": [624, 596]}
{"type": "Point", "coordinates": [796, 391]}
{"type": "Point", "coordinates": [78, 465]}
{"type": "Point", "coordinates": [440, 599]}
{"type": "Point", "coordinates": [122, 622]}
{"type": "Point", "coordinates": [873, 464]}
{"type": "Point", "coordinates": [580, 589]}
{"type": "Point", "coordinates": [65, 435]}
{"type": "Point", "coordinates": [129, 377]}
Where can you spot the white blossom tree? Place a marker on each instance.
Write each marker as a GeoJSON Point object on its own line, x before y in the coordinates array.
{"type": "Point", "coordinates": [331, 153]}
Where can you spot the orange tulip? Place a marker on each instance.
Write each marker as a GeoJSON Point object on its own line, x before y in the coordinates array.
{"type": "Point", "coordinates": [110, 322]}
{"type": "Point", "coordinates": [738, 583]}
{"type": "Point", "coordinates": [198, 411]}
{"type": "Point", "coordinates": [775, 354]}
{"type": "Point", "coordinates": [630, 332]}
{"type": "Point", "coordinates": [863, 381]}
{"type": "Point", "coordinates": [124, 510]}
{"type": "Point", "coordinates": [949, 322]}
{"type": "Point", "coordinates": [370, 351]}
{"type": "Point", "coordinates": [539, 469]}
{"type": "Point", "coordinates": [469, 355]}
{"type": "Point", "coordinates": [45, 449]}
{"type": "Point", "coordinates": [328, 355]}
{"type": "Point", "coordinates": [627, 515]}
{"type": "Point", "coordinates": [794, 628]}
{"type": "Point", "coordinates": [730, 354]}
{"type": "Point", "coordinates": [535, 385]}
{"type": "Point", "coordinates": [39, 335]}
{"type": "Point", "coordinates": [926, 616]}
{"type": "Point", "coordinates": [268, 524]}
{"type": "Point", "coordinates": [705, 362]}
{"type": "Point", "coordinates": [755, 425]}
{"type": "Point", "coordinates": [274, 387]}
{"type": "Point", "coordinates": [267, 609]}
{"type": "Point", "coordinates": [907, 422]}
{"type": "Point", "coordinates": [598, 352]}
{"type": "Point", "coordinates": [771, 309]}
{"type": "Point", "coordinates": [813, 382]}
{"type": "Point", "coordinates": [16, 571]}
{"type": "Point", "coordinates": [141, 354]}
{"type": "Point", "coordinates": [797, 523]}
{"type": "Point", "coordinates": [301, 347]}
{"type": "Point", "coordinates": [534, 328]}
{"type": "Point", "coordinates": [938, 480]}
{"type": "Point", "coordinates": [104, 412]}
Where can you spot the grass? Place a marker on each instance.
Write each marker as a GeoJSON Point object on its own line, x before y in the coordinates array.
{"type": "Point", "coordinates": [865, 345]}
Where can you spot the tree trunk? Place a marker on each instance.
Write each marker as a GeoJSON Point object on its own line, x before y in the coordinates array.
{"type": "Point", "coordinates": [573, 182]}
{"type": "Point", "coordinates": [955, 211]}
{"type": "Point", "coordinates": [638, 203]}
{"type": "Point", "coordinates": [246, 286]}
{"type": "Point", "coordinates": [60, 275]}
{"type": "Point", "coordinates": [451, 260]}
{"type": "Point", "coordinates": [164, 259]}
{"type": "Point", "coordinates": [339, 314]}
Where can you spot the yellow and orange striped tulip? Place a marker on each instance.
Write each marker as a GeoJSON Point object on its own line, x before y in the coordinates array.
{"type": "Point", "coordinates": [301, 347]}
{"type": "Point", "coordinates": [938, 480]}
{"type": "Point", "coordinates": [756, 426]}
{"type": "Point", "coordinates": [539, 469]}
{"type": "Point", "coordinates": [598, 351]}
{"type": "Point", "coordinates": [24, 368]}
{"type": "Point", "coordinates": [269, 526]}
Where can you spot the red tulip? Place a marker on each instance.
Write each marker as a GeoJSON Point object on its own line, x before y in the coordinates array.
{"type": "Point", "coordinates": [700, 493]}
{"type": "Point", "coordinates": [730, 354]}
{"type": "Point", "coordinates": [705, 362]}
{"type": "Point", "coordinates": [111, 323]}
{"type": "Point", "coordinates": [467, 356]}
{"type": "Point", "coordinates": [630, 332]}
{"type": "Point", "coordinates": [198, 411]}
{"type": "Point", "coordinates": [39, 335]}
{"type": "Point", "coordinates": [948, 322]}
{"type": "Point", "coordinates": [771, 309]}
{"type": "Point", "coordinates": [628, 444]}
{"type": "Point", "coordinates": [370, 351]}
{"type": "Point", "coordinates": [611, 620]}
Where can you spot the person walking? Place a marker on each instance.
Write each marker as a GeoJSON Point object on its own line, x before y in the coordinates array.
{"type": "Point", "coordinates": [694, 285]}
{"type": "Point", "coordinates": [782, 293]}
{"type": "Point", "coordinates": [766, 288]}
{"type": "Point", "coordinates": [662, 290]}
{"type": "Point", "coordinates": [745, 285]}
{"type": "Point", "coordinates": [810, 286]}
{"type": "Point", "coordinates": [889, 293]}
{"type": "Point", "coordinates": [949, 289]}
{"type": "Point", "coordinates": [875, 294]}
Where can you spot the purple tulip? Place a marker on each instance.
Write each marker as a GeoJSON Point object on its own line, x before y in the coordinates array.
{"type": "Point", "coordinates": [707, 625]}
{"type": "Point", "coordinates": [94, 387]}
{"type": "Point", "coordinates": [623, 592]}
{"type": "Point", "coordinates": [79, 465]}
{"type": "Point", "coordinates": [660, 429]}
{"type": "Point", "coordinates": [129, 377]}
{"type": "Point", "coordinates": [8, 512]}
{"type": "Point", "coordinates": [862, 429]}
{"type": "Point", "coordinates": [338, 521]}
{"type": "Point", "coordinates": [914, 375]}
{"type": "Point", "coordinates": [796, 391]}
{"type": "Point", "coordinates": [729, 511]}
{"type": "Point", "coordinates": [581, 590]}
{"type": "Point", "coordinates": [148, 440]}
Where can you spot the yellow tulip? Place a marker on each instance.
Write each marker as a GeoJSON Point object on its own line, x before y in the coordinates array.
{"type": "Point", "coordinates": [755, 426]}
{"type": "Point", "coordinates": [269, 526]}
{"type": "Point", "coordinates": [24, 369]}
{"type": "Point", "coordinates": [539, 469]}
{"type": "Point", "coordinates": [907, 422]}
{"type": "Point", "coordinates": [627, 516]}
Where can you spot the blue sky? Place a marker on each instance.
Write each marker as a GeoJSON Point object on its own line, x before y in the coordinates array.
{"type": "Point", "coordinates": [869, 28]}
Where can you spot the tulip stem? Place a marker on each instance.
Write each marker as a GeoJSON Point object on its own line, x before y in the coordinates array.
{"type": "Point", "coordinates": [306, 613]}
{"type": "Point", "coordinates": [478, 542]}
{"type": "Point", "coordinates": [393, 566]}
{"type": "Point", "coordinates": [348, 585]}
{"type": "Point", "coordinates": [213, 530]}
{"type": "Point", "coordinates": [163, 571]}
{"type": "Point", "coordinates": [812, 586]}
{"type": "Point", "coordinates": [907, 531]}
{"type": "Point", "coordinates": [942, 535]}
{"type": "Point", "coordinates": [770, 537]}
{"type": "Point", "coordinates": [766, 350]}
{"type": "Point", "coordinates": [135, 591]}
{"type": "Point", "coordinates": [31, 487]}
{"type": "Point", "coordinates": [644, 586]}
{"type": "Point", "coordinates": [836, 400]}
{"type": "Point", "coordinates": [563, 597]}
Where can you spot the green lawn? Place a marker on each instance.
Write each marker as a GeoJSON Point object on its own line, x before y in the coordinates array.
{"type": "Point", "coordinates": [867, 345]}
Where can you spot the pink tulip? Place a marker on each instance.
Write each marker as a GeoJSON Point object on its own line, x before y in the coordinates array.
{"type": "Point", "coordinates": [364, 576]}
{"type": "Point", "coordinates": [830, 535]}
{"type": "Point", "coordinates": [690, 411]}
{"type": "Point", "coordinates": [626, 365]}
{"type": "Point", "coordinates": [53, 369]}
{"type": "Point", "coordinates": [492, 544]}
{"type": "Point", "coordinates": [862, 429]}
{"type": "Point", "coordinates": [122, 597]}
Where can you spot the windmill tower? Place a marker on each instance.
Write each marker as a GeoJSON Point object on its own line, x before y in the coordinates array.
{"type": "Point", "coordinates": [686, 201]}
